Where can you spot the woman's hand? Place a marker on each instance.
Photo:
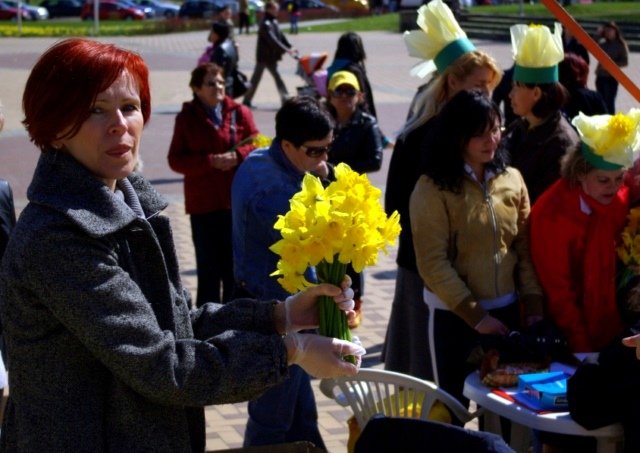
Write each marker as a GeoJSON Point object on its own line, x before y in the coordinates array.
{"type": "Point", "coordinates": [300, 311]}
{"type": "Point", "coordinates": [633, 342]}
{"type": "Point", "coordinates": [225, 161]}
{"type": "Point", "coordinates": [491, 326]}
{"type": "Point", "coordinates": [321, 357]}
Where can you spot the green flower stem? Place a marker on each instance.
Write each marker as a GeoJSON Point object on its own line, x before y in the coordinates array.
{"type": "Point", "coordinates": [333, 321]}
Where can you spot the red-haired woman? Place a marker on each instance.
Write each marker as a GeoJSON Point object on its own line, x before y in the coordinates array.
{"type": "Point", "coordinates": [573, 73]}
{"type": "Point", "coordinates": [104, 351]}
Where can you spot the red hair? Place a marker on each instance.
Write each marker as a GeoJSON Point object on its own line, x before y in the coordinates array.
{"type": "Point", "coordinates": [574, 71]}
{"type": "Point", "coordinates": [65, 82]}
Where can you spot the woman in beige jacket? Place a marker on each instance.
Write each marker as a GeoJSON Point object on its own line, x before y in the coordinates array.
{"type": "Point", "coordinates": [469, 213]}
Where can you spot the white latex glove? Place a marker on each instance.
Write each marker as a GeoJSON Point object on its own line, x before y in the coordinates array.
{"type": "Point", "coordinates": [321, 357]}
{"type": "Point", "coordinates": [301, 310]}
{"type": "Point", "coordinates": [491, 326]}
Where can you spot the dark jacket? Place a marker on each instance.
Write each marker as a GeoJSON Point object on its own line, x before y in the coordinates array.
{"type": "Point", "coordinates": [195, 140]}
{"type": "Point", "coordinates": [405, 168]}
{"type": "Point", "coordinates": [272, 43]}
{"type": "Point", "coordinates": [105, 353]}
{"type": "Point", "coordinates": [586, 101]}
{"type": "Point", "coordinates": [537, 152]}
{"type": "Point", "coordinates": [225, 55]}
{"type": "Point", "coordinates": [358, 144]}
{"type": "Point", "coordinates": [7, 214]}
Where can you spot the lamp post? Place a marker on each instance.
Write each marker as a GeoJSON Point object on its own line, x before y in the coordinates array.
{"type": "Point", "coordinates": [96, 17]}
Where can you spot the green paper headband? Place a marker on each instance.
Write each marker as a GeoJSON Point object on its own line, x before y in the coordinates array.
{"type": "Point", "coordinates": [451, 52]}
{"type": "Point", "coordinates": [597, 161]}
{"type": "Point", "coordinates": [536, 75]}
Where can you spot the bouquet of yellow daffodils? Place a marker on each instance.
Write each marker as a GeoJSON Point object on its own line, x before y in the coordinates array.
{"type": "Point", "coordinates": [329, 228]}
{"type": "Point", "coordinates": [629, 249]}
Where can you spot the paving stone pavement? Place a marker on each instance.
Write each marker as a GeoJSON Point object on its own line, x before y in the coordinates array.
{"type": "Point", "coordinates": [171, 58]}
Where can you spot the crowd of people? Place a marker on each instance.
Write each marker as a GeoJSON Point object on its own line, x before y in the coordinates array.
{"type": "Point", "coordinates": [504, 225]}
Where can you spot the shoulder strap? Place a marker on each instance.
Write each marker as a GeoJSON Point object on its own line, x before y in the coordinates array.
{"type": "Point", "coordinates": [233, 128]}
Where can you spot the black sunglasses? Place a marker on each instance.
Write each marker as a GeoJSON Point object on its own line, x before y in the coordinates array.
{"type": "Point", "coordinates": [342, 92]}
{"type": "Point", "coordinates": [315, 151]}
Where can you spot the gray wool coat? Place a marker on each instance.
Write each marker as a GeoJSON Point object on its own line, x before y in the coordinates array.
{"type": "Point", "coordinates": [104, 352]}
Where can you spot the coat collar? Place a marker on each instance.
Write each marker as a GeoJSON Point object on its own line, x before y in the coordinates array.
{"type": "Point", "coordinates": [64, 185]}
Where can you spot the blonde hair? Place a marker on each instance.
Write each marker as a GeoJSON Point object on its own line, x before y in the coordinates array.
{"type": "Point", "coordinates": [573, 165]}
{"type": "Point", "coordinates": [430, 101]}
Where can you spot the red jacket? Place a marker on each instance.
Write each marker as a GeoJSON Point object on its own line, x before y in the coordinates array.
{"type": "Point", "coordinates": [575, 265]}
{"type": "Point", "coordinates": [195, 139]}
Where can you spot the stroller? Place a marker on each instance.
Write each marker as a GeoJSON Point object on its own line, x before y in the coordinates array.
{"type": "Point", "coordinates": [315, 78]}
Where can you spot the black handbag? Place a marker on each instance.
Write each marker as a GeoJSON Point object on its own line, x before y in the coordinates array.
{"type": "Point", "coordinates": [241, 83]}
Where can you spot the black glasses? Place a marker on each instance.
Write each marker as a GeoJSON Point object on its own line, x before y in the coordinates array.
{"type": "Point", "coordinates": [315, 151]}
{"type": "Point", "coordinates": [345, 92]}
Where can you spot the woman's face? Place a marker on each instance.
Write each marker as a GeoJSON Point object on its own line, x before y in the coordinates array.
{"type": "Point", "coordinates": [523, 98]}
{"type": "Point", "coordinates": [345, 98]}
{"type": "Point", "coordinates": [602, 185]}
{"type": "Point", "coordinates": [481, 149]}
{"type": "Point", "coordinates": [609, 33]}
{"type": "Point", "coordinates": [480, 78]}
{"type": "Point", "coordinates": [108, 141]}
{"type": "Point", "coordinates": [212, 90]}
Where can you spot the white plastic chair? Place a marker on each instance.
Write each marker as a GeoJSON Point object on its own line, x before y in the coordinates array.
{"type": "Point", "coordinates": [370, 392]}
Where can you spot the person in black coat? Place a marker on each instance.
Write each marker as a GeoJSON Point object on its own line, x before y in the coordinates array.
{"type": "Point", "coordinates": [272, 44]}
{"type": "Point", "coordinates": [224, 54]}
{"type": "Point", "coordinates": [573, 72]}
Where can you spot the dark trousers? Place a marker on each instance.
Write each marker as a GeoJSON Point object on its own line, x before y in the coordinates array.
{"type": "Point", "coordinates": [454, 340]}
{"type": "Point", "coordinates": [243, 19]}
{"type": "Point", "coordinates": [284, 413]}
{"type": "Point", "coordinates": [211, 233]}
{"type": "Point", "coordinates": [608, 89]}
{"type": "Point", "coordinates": [257, 76]}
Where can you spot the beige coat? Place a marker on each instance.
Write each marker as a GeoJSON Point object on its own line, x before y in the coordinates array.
{"type": "Point", "coordinates": [474, 245]}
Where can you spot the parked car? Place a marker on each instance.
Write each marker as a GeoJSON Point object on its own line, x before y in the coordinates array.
{"type": "Point", "coordinates": [111, 10]}
{"type": "Point", "coordinates": [149, 12]}
{"type": "Point", "coordinates": [9, 13]}
{"type": "Point", "coordinates": [35, 12]}
{"type": "Point", "coordinates": [62, 8]}
{"type": "Point", "coordinates": [161, 9]}
{"type": "Point", "coordinates": [312, 4]}
{"type": "Point", "coordinates": [205, 8]}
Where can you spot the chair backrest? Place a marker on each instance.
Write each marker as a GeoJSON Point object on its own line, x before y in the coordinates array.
{"type": "Point", "coordinates": [374, 391]}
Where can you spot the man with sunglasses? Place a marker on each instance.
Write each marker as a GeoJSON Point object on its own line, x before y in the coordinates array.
{"type": "Point", "coordinates": [262, 187]}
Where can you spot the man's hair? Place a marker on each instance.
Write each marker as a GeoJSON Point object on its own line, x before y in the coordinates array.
{"type": "Point", "coordinates": [302, 119]}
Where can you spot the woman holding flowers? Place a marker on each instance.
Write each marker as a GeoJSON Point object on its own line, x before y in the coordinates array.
{"type": "Point", "coordinates": [459, 66]}
{"type": "Point", "coordinates": [469, 214]}
{"type": "Point", "coordinates": [208, 144]}
{"type": "Point", "coordinates": [538, 139]}
{"type": "Point", "coordinates": [575, 227]}
{"type": "Point", "coordinates": [106, 352]}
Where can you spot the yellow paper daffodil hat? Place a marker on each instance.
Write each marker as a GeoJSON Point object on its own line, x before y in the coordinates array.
{"type": "Point", "coordinates": [440, 41]}
{"type": "Point", "coordinates": [609, 142]}
{"type": "Point", "coordinates": [536, 52]}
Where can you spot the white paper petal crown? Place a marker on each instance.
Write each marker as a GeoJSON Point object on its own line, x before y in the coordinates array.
{"type": "Point", "coordinates": [536, 52]}
{"type": "Point", "coordinates": [439, 41]}
{"type": "Point", "coordinates": [609, 142]}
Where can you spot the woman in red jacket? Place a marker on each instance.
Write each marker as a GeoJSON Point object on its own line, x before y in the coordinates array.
{"type": "Point", "coordinates": [575, 225]}
{"type": "Point", "coordinates": [203, 150]}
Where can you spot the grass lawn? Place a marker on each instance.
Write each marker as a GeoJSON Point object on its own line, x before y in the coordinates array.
{"type": "Point", "coordinates": [618, 11]}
